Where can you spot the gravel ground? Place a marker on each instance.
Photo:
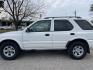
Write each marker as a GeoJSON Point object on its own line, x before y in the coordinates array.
{"type": "Point", "coordinates": [47, 60]}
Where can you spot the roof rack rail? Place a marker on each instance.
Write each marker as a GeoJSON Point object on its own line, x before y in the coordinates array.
{"type": "Point", "coordinates": [63, 17]}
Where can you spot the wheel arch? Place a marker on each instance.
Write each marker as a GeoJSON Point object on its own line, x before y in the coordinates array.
{"type": "Point", "coordinates": [79, 39]}
{"type": "Point", "coordinates": [10, 41]}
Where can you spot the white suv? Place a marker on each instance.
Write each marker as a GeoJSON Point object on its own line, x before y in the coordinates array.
{"type": "Point", "coordinates": [73, 34]}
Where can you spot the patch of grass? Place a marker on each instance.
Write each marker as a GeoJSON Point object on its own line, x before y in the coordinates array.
{"type": "Point", "coordinates": [6, 30]}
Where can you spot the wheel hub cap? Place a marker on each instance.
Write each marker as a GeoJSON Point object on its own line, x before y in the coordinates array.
{"type": "Point", "coordinates": [78, 51]}
{"type": "Point", "coordinates": [9, 51]}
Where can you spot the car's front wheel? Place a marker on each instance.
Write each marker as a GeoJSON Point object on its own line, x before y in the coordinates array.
{"type": "Point", "coordinates": [77, 50]}
{"type": "Point", "coordinates": [9, 50]}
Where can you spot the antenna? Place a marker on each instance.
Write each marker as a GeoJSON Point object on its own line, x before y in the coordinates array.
{"type": "Point", "coordinates": [75, 13]}
{"type": "Point", "coordinates": [40, 16]}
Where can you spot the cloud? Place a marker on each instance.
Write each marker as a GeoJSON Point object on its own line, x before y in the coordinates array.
{"type": "Point", "coordinates": [56, 3]}
{"type": "Point", "coordinates": [67, 7]}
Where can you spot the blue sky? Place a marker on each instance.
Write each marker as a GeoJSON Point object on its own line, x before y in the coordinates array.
{"type": "Point", "coordinates": [67, 8]}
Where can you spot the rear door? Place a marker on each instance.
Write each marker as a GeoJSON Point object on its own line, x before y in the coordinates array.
{"type": "Point", "coordinates": [62, 33]}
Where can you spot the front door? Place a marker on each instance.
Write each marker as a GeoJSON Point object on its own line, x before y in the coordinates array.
{"type": "Point", "coordinates": [39, 36]}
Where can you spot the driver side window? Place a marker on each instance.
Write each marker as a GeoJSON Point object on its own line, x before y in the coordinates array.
{"type": "Point", "coordinates": [41, 26]}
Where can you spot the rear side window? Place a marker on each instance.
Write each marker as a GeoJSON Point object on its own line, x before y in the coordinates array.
{"type": "Point", "coordinates": [62, 25]}
{"type": "Point", "coordinates": [85, 25]}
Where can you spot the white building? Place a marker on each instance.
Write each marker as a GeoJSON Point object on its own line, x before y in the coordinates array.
{"type": "Point", "coordinates": [4, 18]}
{"type": "Point", "coordinates": [3, 15]}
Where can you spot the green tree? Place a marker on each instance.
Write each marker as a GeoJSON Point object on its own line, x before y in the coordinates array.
{"type": "Point", "coordinates": [91, 8]}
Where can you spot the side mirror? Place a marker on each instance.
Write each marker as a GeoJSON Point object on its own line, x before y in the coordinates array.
{"type": "Point", "coordinates": [28, 30]}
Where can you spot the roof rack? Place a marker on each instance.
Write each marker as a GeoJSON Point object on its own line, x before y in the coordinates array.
{"type": "Point", "coordinates": [63, 17]}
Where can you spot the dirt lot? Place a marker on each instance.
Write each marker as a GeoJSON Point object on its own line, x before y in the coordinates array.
{"type": "Point", "coordinates": [47, 60]}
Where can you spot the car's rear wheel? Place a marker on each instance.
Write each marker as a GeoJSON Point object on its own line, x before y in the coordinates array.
{"type": "Point", "coordinates": [77, 50]}
{"type": "Point", "coordinates": [9, 50]}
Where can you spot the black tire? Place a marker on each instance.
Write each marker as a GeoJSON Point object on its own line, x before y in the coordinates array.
{"type": "Point", "coordinates": [72, 53]}
{"type": "Point", "coordinates": [15, 48]}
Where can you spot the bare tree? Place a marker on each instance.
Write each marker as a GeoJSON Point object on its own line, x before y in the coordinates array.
{"type": "Point", "coordinates": [23, 9]}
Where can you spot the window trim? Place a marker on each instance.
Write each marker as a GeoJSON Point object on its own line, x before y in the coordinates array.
{"type": "Point", "coordinates": [41, 20]}
{"type": "Point", "coordinates": [66, 20]}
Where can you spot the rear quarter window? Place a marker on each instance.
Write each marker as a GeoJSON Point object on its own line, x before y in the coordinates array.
{"type": "Point", "coordinates": [83, 24]}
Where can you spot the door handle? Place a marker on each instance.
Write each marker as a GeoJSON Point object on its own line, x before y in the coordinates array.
{"type": "Point", "coordinates": [72, 33]}
{"type": "Point", "coordinates": [47, 34]}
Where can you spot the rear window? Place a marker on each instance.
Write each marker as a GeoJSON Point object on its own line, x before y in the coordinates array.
{"type": "Point", "coordinates": [85, 25]}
